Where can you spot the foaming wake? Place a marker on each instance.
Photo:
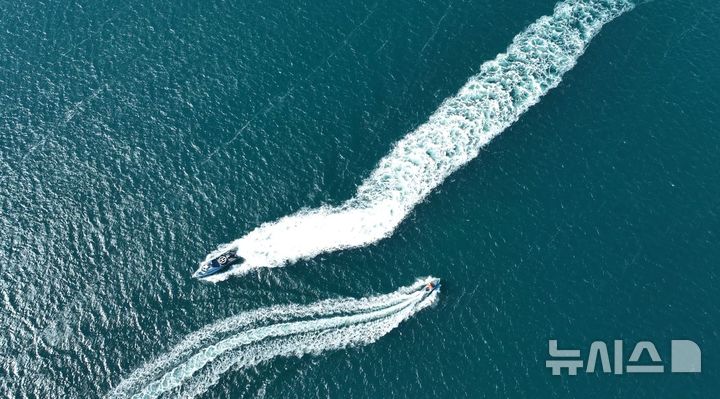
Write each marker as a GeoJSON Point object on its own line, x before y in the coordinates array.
{"type": "Point", "coordinates": [250, 338]}
{"type": "Point", "coordinates": [489, 102]}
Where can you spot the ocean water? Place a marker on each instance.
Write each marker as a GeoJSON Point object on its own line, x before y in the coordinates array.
{"type": "Point", "coordinates": [136, 137]}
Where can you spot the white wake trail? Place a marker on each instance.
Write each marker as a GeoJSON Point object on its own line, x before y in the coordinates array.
{"type": "Point", "coordinates": [246, 340]}
{"type": "Point", "coordinates": [486, 105]}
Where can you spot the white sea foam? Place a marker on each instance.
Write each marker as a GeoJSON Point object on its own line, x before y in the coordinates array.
{"type": "Point", "coordinates": [248, 339]}
{"type": "Point", "coordinates": [489, 102]}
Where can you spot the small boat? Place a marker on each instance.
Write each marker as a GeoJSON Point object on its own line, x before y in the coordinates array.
{"type": "Point", "coordinates": [433, 285]}
{"type": "Point", "coordinates": [218, 264]}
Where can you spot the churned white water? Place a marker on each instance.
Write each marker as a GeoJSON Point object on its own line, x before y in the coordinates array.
{"type": "Point", "coordinates": [486, 105]}
{"type": "Point", "coordinates": [250, 338]}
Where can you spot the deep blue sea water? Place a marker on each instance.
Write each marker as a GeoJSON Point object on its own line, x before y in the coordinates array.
{"type": "Point", "coordinates": [136, 137]}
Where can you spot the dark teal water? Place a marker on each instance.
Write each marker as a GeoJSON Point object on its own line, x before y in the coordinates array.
{"type": "Point", "coordinates": [594, 217]}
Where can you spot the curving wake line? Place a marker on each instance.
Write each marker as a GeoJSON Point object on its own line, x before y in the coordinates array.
{"type": "Point", "coordinates": [489, 102]}
{"type": "Point", "coordinates": [248, 339]}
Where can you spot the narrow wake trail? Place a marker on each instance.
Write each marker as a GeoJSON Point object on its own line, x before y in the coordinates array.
{"type": "Point", "coordinates": [248, 339]}
{"type": "Point", "coordinates": [486, 105]}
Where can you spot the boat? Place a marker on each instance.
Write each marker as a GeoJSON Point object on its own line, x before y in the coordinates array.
{"type": "Point", "coordinates": [433, 285]}
{"type": "Point", "coordinates": [218, 264]}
